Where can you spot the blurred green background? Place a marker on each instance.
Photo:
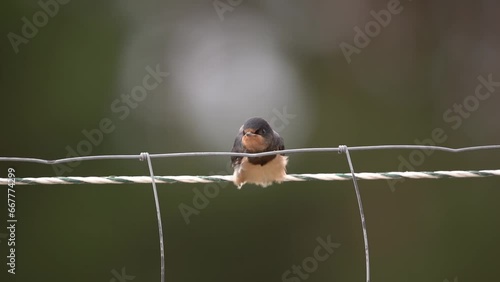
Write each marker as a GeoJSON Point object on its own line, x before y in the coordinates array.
{"type": "Point", "coordinates": [82, 61]}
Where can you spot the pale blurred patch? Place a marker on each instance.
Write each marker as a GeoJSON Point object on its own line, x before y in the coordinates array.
{"type": "Point", "coordinates": [224, 73]}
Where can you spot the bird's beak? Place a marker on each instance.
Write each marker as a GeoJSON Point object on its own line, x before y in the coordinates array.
{"type": "Point", "coordinates": [249, 134]}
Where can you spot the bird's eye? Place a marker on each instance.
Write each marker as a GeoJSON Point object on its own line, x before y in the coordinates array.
{"type": "Point", "coordinates": [263, 131]}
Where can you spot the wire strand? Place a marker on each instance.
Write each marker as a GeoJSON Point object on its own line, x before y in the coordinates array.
{"type": "Point", "coordinates": [229, 178]}
{"type": "Point", "coordinates": [288, 151]}
{"type": "Point", "coordinates": [158, 215]}
{"type": "Point", "coordinates": [344, 149]}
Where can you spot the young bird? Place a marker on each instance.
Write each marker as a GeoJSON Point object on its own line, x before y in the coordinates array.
{"type": "Point", "coordinates": [255, 136]}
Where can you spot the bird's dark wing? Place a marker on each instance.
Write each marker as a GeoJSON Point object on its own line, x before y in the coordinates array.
{"type": "Point", "coordinates": [279, 142]}
{"type": "Point", "coordinates": [237, 148]}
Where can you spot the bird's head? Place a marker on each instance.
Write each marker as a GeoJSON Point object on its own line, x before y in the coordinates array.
{"type": "Point", "coordinates": [257, 135]}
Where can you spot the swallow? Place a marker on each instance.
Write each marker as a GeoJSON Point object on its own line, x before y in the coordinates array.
{"type": "Point", "coordinates": [256, 136]}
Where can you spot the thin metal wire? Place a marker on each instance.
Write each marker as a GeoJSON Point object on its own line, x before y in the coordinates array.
{"type": "Point", "coordinates": [288, 151]}
{"type": "Point", "coordinates": [158, 215]}
{"type": "Point", "coordinates": [229, 178]}
{"type": "Point", "coordinates": [342, 149]}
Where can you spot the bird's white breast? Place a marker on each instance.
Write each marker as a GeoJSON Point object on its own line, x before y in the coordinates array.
{"type": "Point", "coordinates": [263, 175]}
